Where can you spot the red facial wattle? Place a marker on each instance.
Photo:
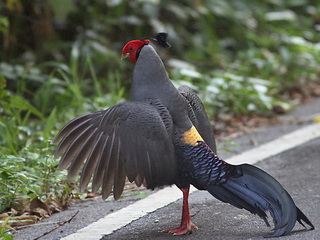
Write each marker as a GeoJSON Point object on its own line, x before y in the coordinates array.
{"type": "Point", "coordinates": [132, 49]}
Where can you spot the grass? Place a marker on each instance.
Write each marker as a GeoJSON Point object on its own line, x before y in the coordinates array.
{"type": "Point", "coordinates": [27, 166]}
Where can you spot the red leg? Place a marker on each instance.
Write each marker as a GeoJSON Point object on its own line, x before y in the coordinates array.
{"type": "Point", "coordinates": [186, 224]}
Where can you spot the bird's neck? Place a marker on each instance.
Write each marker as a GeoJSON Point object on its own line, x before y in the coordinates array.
{"type": "Point", "coordinates": [149, 75]}
{"type": "Point", "coordinates": [150, 81]}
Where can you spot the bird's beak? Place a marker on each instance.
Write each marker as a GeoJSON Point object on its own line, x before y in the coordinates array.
{"type": "Point", "coordinates": [125, 55]}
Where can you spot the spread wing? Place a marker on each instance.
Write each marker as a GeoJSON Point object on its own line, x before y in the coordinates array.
{"type": "Point", "coordinates": [198, 116]}
{"type": "Point", "coordinates": [131, 139]}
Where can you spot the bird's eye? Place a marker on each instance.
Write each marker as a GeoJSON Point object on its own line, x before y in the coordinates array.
{"type": "Point", "coordinates": [131, 48]}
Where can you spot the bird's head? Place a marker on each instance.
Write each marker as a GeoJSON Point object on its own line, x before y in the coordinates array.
{"type": "Point", "coordinates": [132, 49]}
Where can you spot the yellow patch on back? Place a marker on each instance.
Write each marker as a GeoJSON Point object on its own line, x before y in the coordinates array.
{"type": "Point", "coordinates": [191, 137]}
{"type": "Point", "coordinates": [317, 119]}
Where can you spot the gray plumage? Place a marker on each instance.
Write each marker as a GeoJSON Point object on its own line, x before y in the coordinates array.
{"type": "Point", "coordinates": [142, 140]}
{"type": "Point", "coordinates": [133, 139]}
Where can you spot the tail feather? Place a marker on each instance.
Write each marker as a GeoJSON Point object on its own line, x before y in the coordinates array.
{"type": "Point", "coordinates": [256, 191]}
{"type": "Point", "coordinates": [280, 204]}
{"type": "Point", "coordinates": [301, 217]}
{"type": "Point", "coordinates": [244, 186]}
{"type": "Point", "coordinates": [225, 195]}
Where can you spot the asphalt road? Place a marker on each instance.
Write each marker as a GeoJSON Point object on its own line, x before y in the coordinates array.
{"type": "Point", "coordinates": [297, 170]}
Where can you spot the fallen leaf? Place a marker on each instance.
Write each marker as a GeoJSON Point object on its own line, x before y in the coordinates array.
{"type": "Point", "coordinates": [3, 216]}
{"type": "Point", "coordinates": [54, 205]}
{"type": "Point", "coordinates": [90, 195]}
{"type": "Point", "coordinates": [41, 212]}
{"type": "Point", "coordinates": [22, 205]}
{"type": "Point", "coordinates": [5, 224]}
{"type": "Point", "coordinates": [22, 220]}
{"type": "Point", "coordinates": [39, 208]}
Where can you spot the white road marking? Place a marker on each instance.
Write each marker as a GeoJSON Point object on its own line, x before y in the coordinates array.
{"type": "Point", "coordinates": [126, 215]}
{"type": "Point", "coordinates": [123, 217]}
{"type": "Point", "coordinates": [278, 145]}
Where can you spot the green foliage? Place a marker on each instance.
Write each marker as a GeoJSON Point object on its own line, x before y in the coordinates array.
{"type": "Point", "coordinates": [32, 174]}
{"type": "Point", "coordinates": [27, 166]}
{"type": "Point", "coordinates": [4, 23]}
{"type": "Point", "coordinates": [225, 92]}
{"type": "Point", "coordinates": [226, 146]}
{"type": "Point", "coordinates": [4, 235]}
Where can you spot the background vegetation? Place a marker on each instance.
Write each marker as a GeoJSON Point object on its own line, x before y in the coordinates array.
{"type": "Point", "coordinates": [62, 58]}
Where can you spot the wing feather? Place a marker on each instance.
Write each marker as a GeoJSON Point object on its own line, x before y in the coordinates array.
{"type": "Point", "coordinates": [111, 169]}
{"type": "Point", "coordinates": [131, 139]}
{"type": "Point", "coordinates": [91, 162]}
{"type": "Point", "coordinates": [74, 146]}
{"type": "Point", "coordinates": [198, 116]}
{"type": "Point", "coordinates": [103, 164]}
{"type": "Point", "coordinates": [68, 135]}
{"type": "Point", "coordinates": [119, 180]}
{"type": "Point", "coordinates": [72, 125]}
{"type": "Point", "coordinates": [82, 154]}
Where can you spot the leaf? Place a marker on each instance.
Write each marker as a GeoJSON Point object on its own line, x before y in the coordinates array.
{"type": "Point", "coordinates": [54, 205]}
{"type": "Point", "coordinates": [39, 208]}
{"type": "Point", "coordinates": [4, 216]}
{"type": "Point", "coordinates": [21, 104]}
{"type": "Point", "coordinates": [21, 220]}
{"type": "Point", "coordinates": [287, 15]}
{"type": "Point", "coordinates": [4, 24]}
{"type": "Point", "coordinates": [50, 123]}
{"type": "Point", "coordinates": [90, 195]}
{"type": "Point", "coordinates": [74, 61]}
{"type": "Point", "coordinates": [5, 224]}
{"type": "Point", "coordinates": [21, 205]}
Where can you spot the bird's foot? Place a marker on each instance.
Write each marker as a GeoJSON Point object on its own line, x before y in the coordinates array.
{"type": "Point", "coordinates": [185, 228]}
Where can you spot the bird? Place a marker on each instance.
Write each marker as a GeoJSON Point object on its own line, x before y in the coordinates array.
{"type": "Point", "coordinates": [160, 137]}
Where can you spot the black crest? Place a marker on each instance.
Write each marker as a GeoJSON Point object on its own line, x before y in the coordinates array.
{"type": "Point", "coordinates": [161, 39]}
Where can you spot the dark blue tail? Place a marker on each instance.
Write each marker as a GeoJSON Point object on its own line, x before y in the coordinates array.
{"type": "Point", "coordinates": [256, 191]}
{"type": "Point", "coordinates": [243, 186]}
